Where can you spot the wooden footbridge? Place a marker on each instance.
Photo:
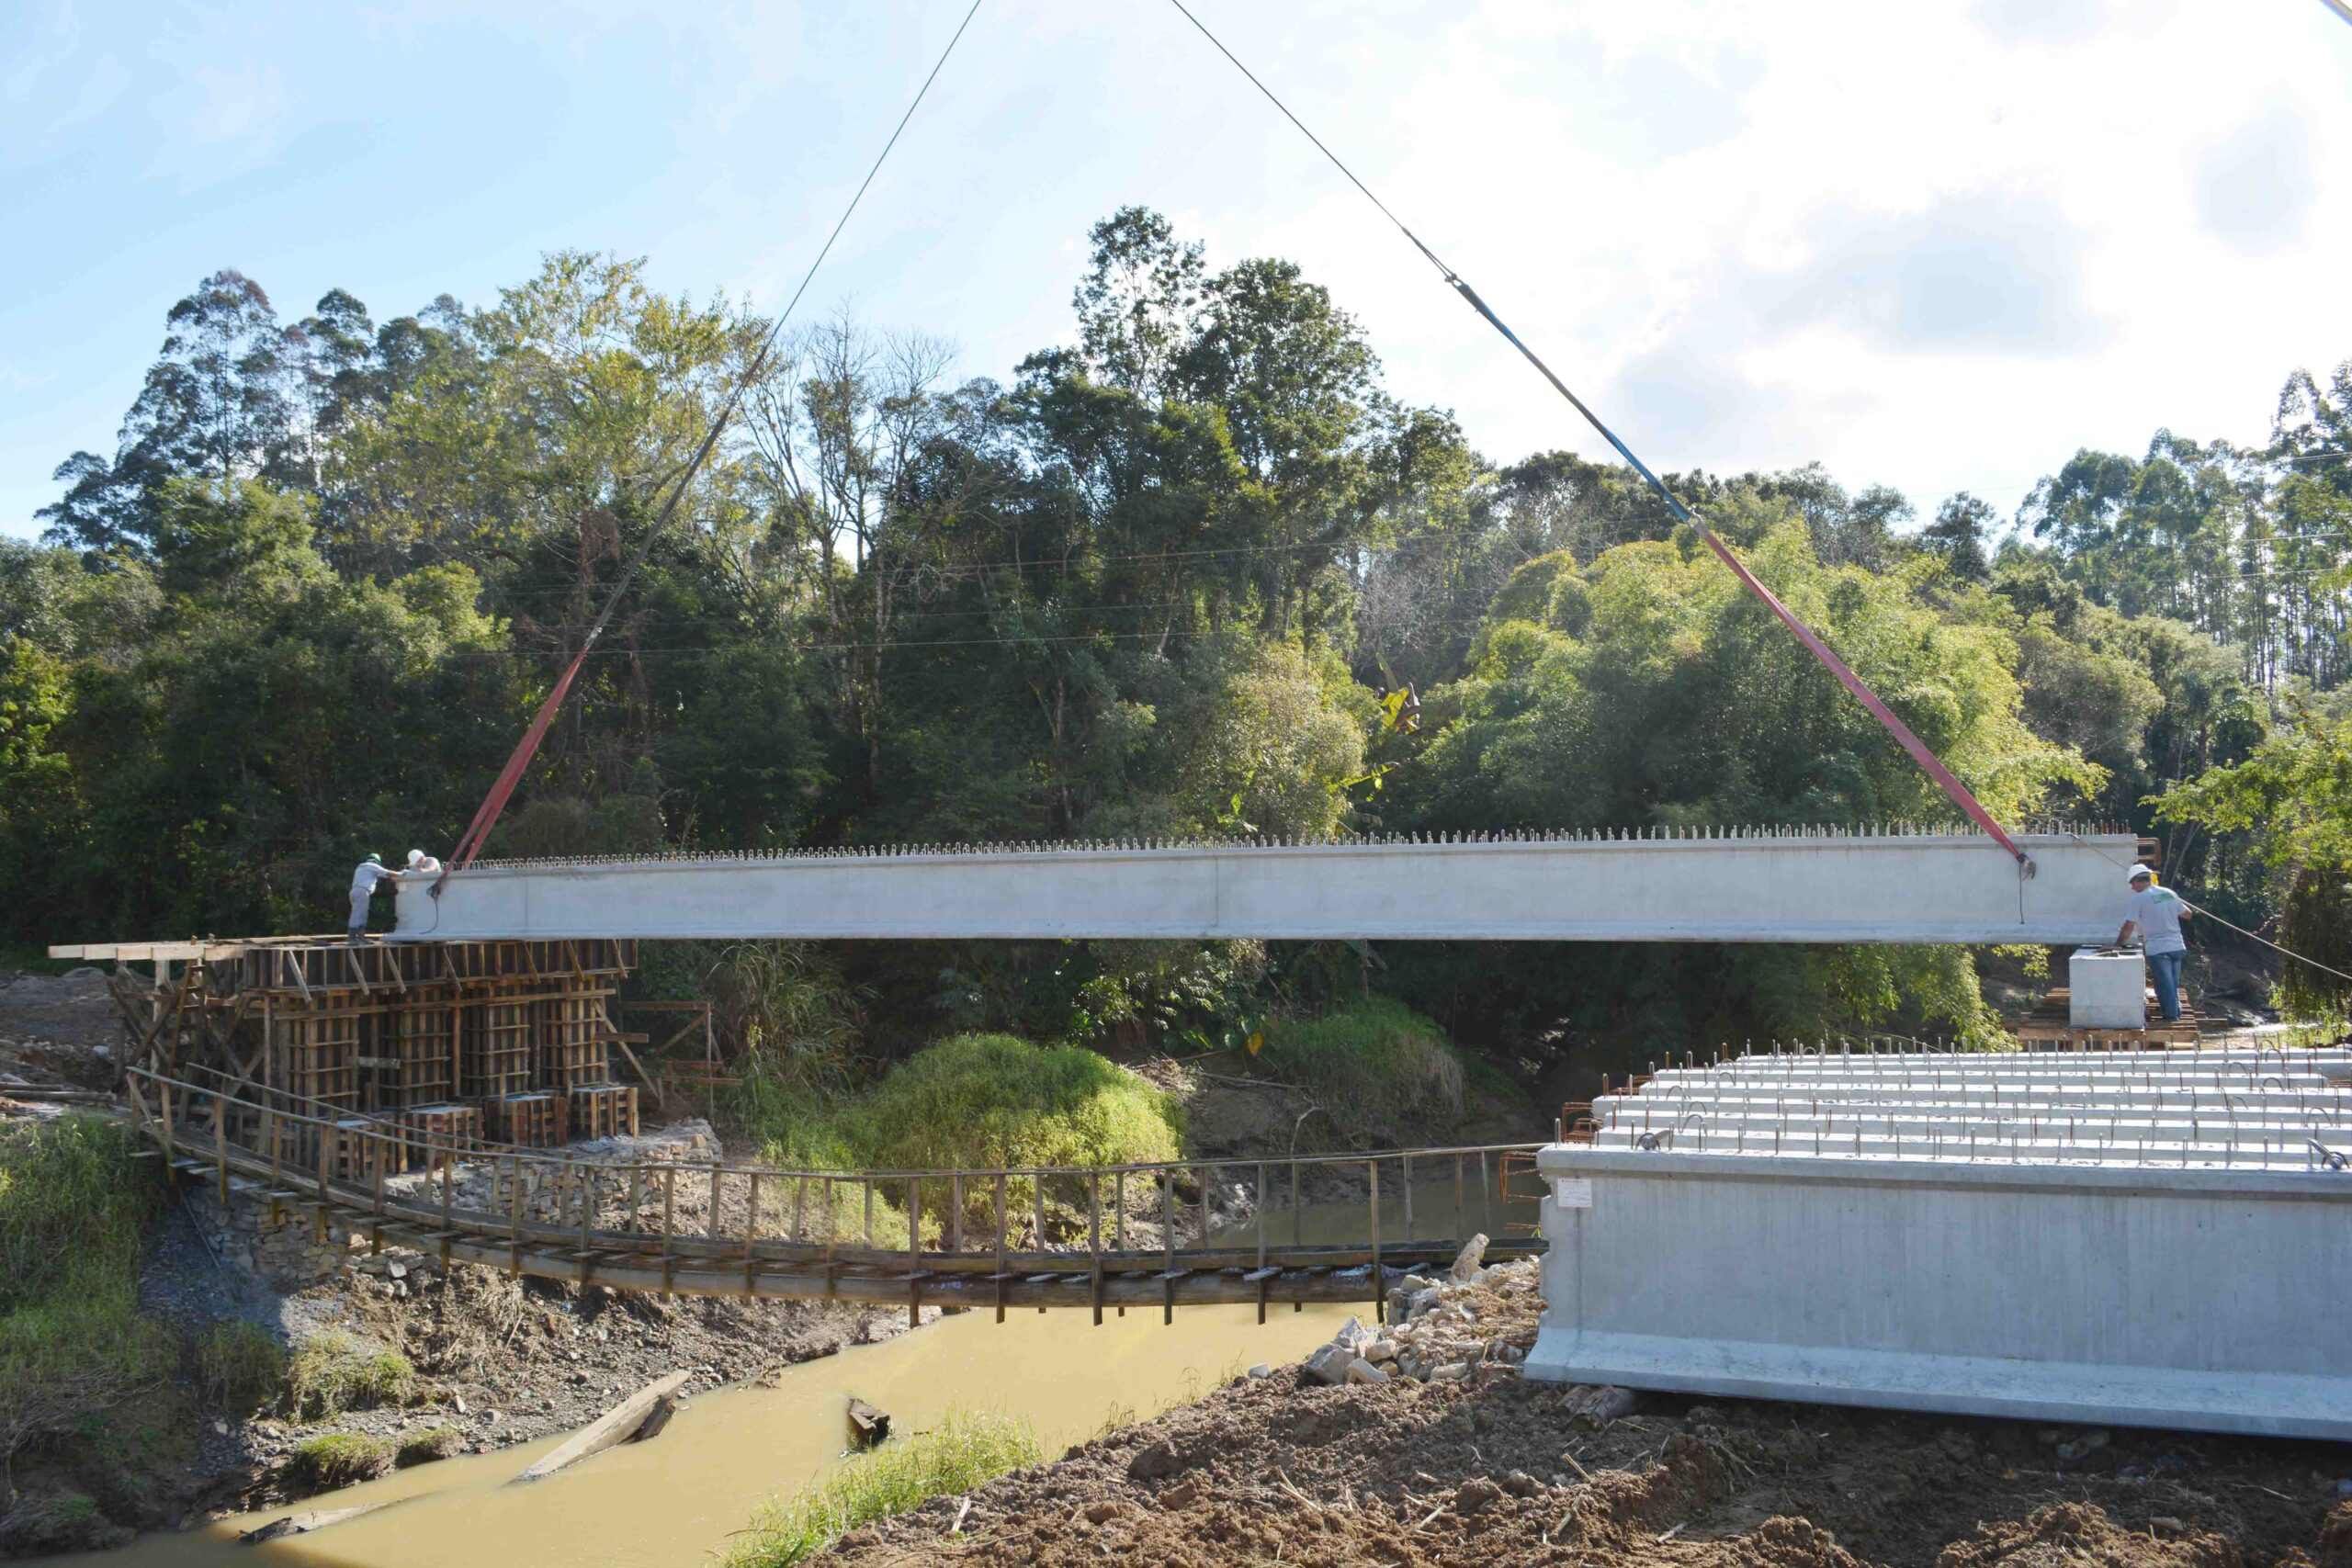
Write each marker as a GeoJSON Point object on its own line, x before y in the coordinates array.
{"type": "Point", "coordinates": [1164, 1235]}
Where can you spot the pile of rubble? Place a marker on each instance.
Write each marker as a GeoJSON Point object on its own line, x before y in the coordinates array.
{"type": "Point", "coordinates": [1442, 1330]}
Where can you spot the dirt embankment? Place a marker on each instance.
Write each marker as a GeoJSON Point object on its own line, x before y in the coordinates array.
{"type": "Point", "coordinates": [1487, 1469]}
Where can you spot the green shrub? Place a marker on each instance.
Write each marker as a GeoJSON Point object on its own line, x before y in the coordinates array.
{"type": "Point", "coordinates": [986, 1100]}
{"type": "Point", "coordinates": [423, 1448]}
{"type": "Point", "coordinates": [341, 1458]}
{"type": "Point", "coordinates": [240, 1366]}
{"type": "Point", "coordinates": [1382, 1072]}
{"type": "Point", "coordinates": [333, 1372]}
{"type": "Point", "coordinates": [962, 1451]}
{"type": "Point", "coordinates": [74, 1207]}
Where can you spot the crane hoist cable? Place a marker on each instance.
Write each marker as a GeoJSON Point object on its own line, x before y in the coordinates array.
{"type": "Point", "coordinates": [1920, 752]}
{"type": "Point", "coordinates": [486, 814]}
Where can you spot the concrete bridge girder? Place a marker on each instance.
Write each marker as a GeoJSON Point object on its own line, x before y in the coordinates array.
{"type": "Point", "coordinates": [1907, 888]}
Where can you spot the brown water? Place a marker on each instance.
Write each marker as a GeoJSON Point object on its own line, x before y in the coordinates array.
{"type": "Point", "coordinates": [676, 1499]}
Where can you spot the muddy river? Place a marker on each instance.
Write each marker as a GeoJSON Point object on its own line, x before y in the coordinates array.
{"type": "Point", "coordinates": [672, 1503]}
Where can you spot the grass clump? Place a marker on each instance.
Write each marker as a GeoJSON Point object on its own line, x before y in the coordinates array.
{"type": "Point", "coordinates": [1381, 1072]}
{"type": "Point", "coordinates": [74, 1208]}
{"type": "Point", "coordinates": [333, 1372]}
{"type": "Point", "coordinates": [341, 1458]}
{"type": "Point", "coordinates": [240, 1367]}
{"type": "Point", "coordinates": [961, 1452]}
{"type": "Point", "coordinates": [986, 1100]}
{"type": "Point", "coordinates": [423, 1448]}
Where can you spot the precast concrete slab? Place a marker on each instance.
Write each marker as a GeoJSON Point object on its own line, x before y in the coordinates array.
{"type": "Point", "coordinates": [1780, 1227]}
{"type": "Point", "coordinates": [1858, 887]}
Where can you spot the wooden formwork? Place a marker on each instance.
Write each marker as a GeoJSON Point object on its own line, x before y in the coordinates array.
{"type": "Point", "coordinates": [571, 1040]}
{"type": "Point", "coordinates": [2048, 1028]}
{"type": "Point", "coordinates": [458, 1040]}
{"type": "Point", "coordinates": [366, 1150]}
{"type": "Point", "coordinates": [603, 1110]}
{"type": "Point", "coordinates": [442, 1129]}
{"type": "Point", "coordinates": [536, 1120]}
{"type": "Point", "coordinates": [494, 1049]}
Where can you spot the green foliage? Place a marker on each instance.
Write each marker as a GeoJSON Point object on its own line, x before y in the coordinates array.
{"type": "Point", "coordinates": [961, 1452]}
{"type": "Point", "coordinates": [73, 1205]}
{"type": "Point", "coordinates": [333, 1372]}
{"type": "Point", "coordinates": [977, 1101]}
{"type": "Point", "coordinates": [240, 1366]}
{"type": "Point", "coordinates": [2293, 798]}
{"type": "Point", "coordinates": [1383, 1073]}
{"type": "Point", "coordinates": [428, 1445]}
{"type": "Point", "coordinates": [341, 1458]}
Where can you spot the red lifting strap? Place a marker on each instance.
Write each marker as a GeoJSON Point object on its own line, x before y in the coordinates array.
{"type": "Point", "coordinates": [486, 814]}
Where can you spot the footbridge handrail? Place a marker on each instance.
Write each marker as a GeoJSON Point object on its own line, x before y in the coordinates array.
{"type": "Point", "coordinates": [1122, 1235]}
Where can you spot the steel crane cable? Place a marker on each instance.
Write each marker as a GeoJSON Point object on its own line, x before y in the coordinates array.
{"type": "Point", "coordinates": [486, 816]}
{"type": "Point", "coordinates": [1919, 749]}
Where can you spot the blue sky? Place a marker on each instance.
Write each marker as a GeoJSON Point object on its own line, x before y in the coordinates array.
{"type": "Point", "coordinates": [1937, 245]}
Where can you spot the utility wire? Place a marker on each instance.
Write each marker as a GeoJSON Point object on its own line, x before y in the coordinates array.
{"type": "Point", "coordinates": [1933, 765]}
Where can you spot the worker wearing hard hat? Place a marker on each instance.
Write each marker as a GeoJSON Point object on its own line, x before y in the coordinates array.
{"type": "Point", "coordinates": [2155, 914]}
{"type": "Point", "coordinates": [364, 877]}
{"type": "Point", "coordinates": [422, 864]}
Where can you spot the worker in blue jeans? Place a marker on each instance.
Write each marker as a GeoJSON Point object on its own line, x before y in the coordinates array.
{"type": "Point", "coordinates": [2155, 914]}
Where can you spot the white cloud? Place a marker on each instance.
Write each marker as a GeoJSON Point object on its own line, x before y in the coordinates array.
{"type": "Point", "coordinates": [2254, 188]}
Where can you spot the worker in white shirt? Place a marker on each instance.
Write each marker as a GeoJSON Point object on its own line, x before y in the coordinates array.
{"type": "Point", "coordinates": [2155, 914]}
{"type": "Point", "coordinates": [364, 877]}
{"type": "Point", "coordinates": [422, 864]}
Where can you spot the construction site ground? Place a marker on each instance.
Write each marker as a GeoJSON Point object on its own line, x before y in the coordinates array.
{"type": "Point", "coordinates": [1285, 1469]}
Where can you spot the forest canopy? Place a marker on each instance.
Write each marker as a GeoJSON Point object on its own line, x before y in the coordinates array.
{"type": "Point", "coordinates": [1195, 572]}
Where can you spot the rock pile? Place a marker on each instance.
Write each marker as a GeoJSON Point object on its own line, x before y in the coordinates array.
{"type": "Point", "coordinates": [1442, 1330]}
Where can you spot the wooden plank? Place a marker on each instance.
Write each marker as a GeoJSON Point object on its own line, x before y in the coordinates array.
{"type": "Point", "coordinates": [615, 1425]}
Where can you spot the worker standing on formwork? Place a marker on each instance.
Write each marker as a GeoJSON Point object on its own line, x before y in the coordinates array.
{"type": "Point", "coordinates": [2155, 914]}
{"type": "Point", "coordinates": [364, 877]}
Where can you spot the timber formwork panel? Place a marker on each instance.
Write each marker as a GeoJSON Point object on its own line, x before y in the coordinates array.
{"type": "Point", "coordinates": [424, 1051]}
{"type": "Point", "coordinates": [442, 1129]}
{"type": "Point", "coordinates": [494, 1055]}
{"type": "Point", "coordinates": [603, 1110]}
{"type": "Point", "coordinates": [571, 1053]}
{"type": "Point", "coordinates": [536, 1120]}
{"type": "Point", "coordinates": [429, 1040]}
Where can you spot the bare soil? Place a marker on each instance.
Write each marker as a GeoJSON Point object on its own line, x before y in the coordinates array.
{"type": "Point", "coordinates": [1498, 1470]}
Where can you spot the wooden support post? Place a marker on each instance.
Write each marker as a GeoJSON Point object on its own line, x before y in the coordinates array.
{"type": "Point", "coordinates": [869, 1214]}
{"type": "Point", "coordinates": [1461, 1216]}
{"type": "Point", "coordinates": [914, 1252]}
{"type": "Point", "coordinates": [1000, 1247]}
{"type": "Point", "coordinates": [669, 1216]}
{"type": "Point", "coordinates": [1167, 1244]}
{"type": "Point", "coordinates": [587, 1212]}
{"type": "Point", "coordinates": [221, 1150]}
{"type": "Point", "coordinates": [1119, 1215]}
{"type": "Point", "coordinates": [750, 1233]}
{"type": "Point", "coordinates": [1379, 1280]}
{"type": "Point", "coordinates": [1262, 1218]}
{"type": "Point", "coordinates": [163, 1093]}
{"type": "Point", "coordinates": [955, 1212]}
{"type": "Point", "coordinates": [1486, 1197]}
{"type": "Point", "coordinates": [514, 1216]}
{"type": "Point", "coordinates": [717, 1176]}
{"type": "Point", "coordinates": [1408, 1200]}
{"type": "Point", "coordinates": [1095, 1237]}
{"type": "Point", "coordinates": [1037, 1179]}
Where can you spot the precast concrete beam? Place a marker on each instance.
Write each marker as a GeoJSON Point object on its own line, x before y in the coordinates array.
{"type": "Point", "coordinates": [1790, 889]}
{"type": "Point", "coordinates": [1961, 1255]}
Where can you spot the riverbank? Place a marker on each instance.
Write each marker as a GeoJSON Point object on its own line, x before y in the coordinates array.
{"type": "Point", "coordinates": [1476, 1467]}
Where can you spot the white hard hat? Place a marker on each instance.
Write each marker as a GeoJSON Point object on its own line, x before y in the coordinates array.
{"type": "Point", "coordinates": [2139, 871]}
{"type": "Point", "coordinates": [415, 857]}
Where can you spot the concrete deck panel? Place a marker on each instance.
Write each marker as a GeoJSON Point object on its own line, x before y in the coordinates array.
{"type": "Point", "coordinates": [2058, 1279]}
{"type": "Point", "coordinates": [1906, 888]}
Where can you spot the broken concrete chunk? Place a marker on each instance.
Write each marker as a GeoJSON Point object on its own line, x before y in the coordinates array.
{"type": "Point", "coordinates": [1262, 1371]}
{"type": "Point", "coordinates": [1466, 1270]}
{"type": "Point", "coordinates": [1362, 1370]}
{"type": "Point", "coordinates": [1329, 1363]}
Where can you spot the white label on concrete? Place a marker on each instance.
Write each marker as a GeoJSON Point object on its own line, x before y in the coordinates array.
{"type": "Point", "coordinates": [1575, 1191]}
